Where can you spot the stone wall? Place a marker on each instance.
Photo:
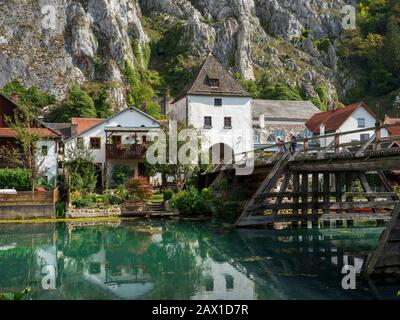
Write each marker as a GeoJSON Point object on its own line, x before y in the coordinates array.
{"type": "Point", "coordinates": [28, 211]}
{"type": "Point", "coordinates": [93, 213]}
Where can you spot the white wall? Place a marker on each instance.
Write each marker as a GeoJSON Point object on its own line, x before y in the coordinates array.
{"type": "Point", "coordinates": [351, 124]}
{"type": "Point", "coordinates": [240, 137]}
{"type": "Point", "coordinates": [128, 118]}
{"type": "Point", "coordinates": [48, 164]}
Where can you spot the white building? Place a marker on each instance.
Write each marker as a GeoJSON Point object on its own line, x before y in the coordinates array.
{"type": "Point", "coordinates": [217, 105]}
{"type": "Point", "coordinates": [353, 117]}
{"type": "Point", "coordinates": [279, 118]}
{"type": "Point", "coordinates": [121, 139]}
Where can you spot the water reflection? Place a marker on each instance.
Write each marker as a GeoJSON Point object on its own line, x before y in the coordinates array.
{"type": "Point", "coordinates": [175, 260]}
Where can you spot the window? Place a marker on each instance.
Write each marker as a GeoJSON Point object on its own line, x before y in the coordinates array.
{"type": "Point", "coordinates": [79, 143]}
{"type": "Point", "coordinates": [116, 139]}
{"type": "Point", "coordinates": [209, 284]}
{"type": "Point", "coordinates": [229, 282]}
{"type": "Point", "coordinates": [361, 122]}
{"type": "Point", "coordinates": [275, 134]}
{"type": "Point", "coordinates": [207, 122]}
{"type": "Point", "coordinates": [364, 137]}
{"type": "Point", "coordinates": [256, 136]}
{"type": "Point", "coordinates": [227, 123]}
{"type": "Point", "coordinates": [45, 150]}
{"type": "Point", "coordinates": [217, 102]}
{"type": "Point", "coordinates": [214, 83]}
{"type": "Point", "coordinates": [95, 143]}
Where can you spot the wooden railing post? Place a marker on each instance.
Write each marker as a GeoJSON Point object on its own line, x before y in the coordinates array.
{"type": "Point", "coordinates": [337, 142]}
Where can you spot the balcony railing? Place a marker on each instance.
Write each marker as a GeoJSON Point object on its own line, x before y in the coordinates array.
{"type": "Point", "coordinates": [125, 151]}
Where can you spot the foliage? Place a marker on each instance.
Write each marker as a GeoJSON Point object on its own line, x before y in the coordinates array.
{"type": "Point", "coordinates": [99, 92]}
{"type": "Point", "coordinates": [81, 169]}
{"type": "Point", "coordinates": [168, 194]}
{"type": "Point", "coordinates": [15, 296]}
{"type": "Point", "coordinates": [194, 202]}
{"type": "Point", "coordinates": [18, 179]}
{"type": "Point", "coordinates": [25, 153]}
{"type": "Point", "coordinates": [139, 188]}
{"type": "Point", "coordinates": [140, 90]}
{"type": "Point", "coordinates": [60, 210]}
{"type": "Point", "coordinates": [120, 174]}
{"type": "Point", "coordinates": [79, 104]}
{"type": "Point", "coordinates": [31, 98]}
{"type": "Point", "coordinates": [372, 52]}
{"type": "Point", "coordinates": [118, 196]}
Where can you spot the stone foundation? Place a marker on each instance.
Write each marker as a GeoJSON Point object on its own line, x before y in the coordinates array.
{"type": "Point", "coordinates": [27, 211]}
{"type": "Point", "coordinates": [93, 213]}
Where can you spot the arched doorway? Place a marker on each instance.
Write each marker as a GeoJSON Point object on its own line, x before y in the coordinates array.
{"type": "Point", "coordinates": [221, 152]}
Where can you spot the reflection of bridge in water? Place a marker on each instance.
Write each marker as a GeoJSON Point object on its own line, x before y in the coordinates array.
{"type": "Point", "coordinates": [319, 185]}
{"type": "Point", "coordinates": [296, 263]}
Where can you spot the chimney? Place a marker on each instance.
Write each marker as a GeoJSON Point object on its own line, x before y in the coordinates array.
{"type": "Point", "coordinates": [262, 121]}
{"type": "Point", "coordinates": [322, 133]}
{"type": "Point", "coordinates": [15, 98]}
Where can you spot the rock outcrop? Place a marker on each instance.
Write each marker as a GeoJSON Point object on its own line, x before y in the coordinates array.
{"type": "Point", "coordinates": [49, 43]}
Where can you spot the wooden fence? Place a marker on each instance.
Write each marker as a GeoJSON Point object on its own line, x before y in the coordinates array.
{"type": "Point", "coordinates": [27, 198]}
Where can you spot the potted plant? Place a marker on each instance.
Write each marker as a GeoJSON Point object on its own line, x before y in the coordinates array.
{"type": "Point", "coordinates": [139, 190]}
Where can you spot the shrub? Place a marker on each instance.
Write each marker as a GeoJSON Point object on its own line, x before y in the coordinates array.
{"type": "Point", "coordinates": [168, 194]}
{"type": "Point", "coordinates": [139, 188]}
{"type": "Point", "coordinates": [120, 174]}
{"type": "Point", "coordinates": [18, 179]}
{"type": "Point", "coordinates": [82, 203]}
{"type": "Point", "coordinates": [193, 202]}
{"type": "Point", "coordinates": [116, 197]}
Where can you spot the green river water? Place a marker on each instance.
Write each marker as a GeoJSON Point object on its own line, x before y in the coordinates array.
{"type": "Point", "coordinates": [184, 260]}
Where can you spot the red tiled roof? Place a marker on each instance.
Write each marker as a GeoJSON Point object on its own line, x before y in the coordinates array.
{"type": "Point", "coordinates": [333, 119]}
{"type": "Point", "coordinates": [47, 133]}
{"type": "Point", "coordinates": [393, 131]}
{"type": "Point", "coordinates": [82, 124]}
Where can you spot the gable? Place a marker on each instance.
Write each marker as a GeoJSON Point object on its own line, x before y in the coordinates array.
{"type": "Point", "coordinates": [213, 79]}
{"type": "Point", "coordinates": [130, 117]}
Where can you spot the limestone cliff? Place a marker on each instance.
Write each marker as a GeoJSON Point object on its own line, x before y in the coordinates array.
{"type": "Point", "coordinates": [89, 40]}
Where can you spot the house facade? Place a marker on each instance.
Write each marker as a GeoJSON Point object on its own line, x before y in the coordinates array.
{"type": "Point", "coordinates": [353, 117]}
{"type": "Point", "coordinates": [121, 139]}
{"type": "Point", "coordinates": [47, 146]}
{"type": "Point", "coordinates": [219, 107]}
{"type": "Point", "coordinates": [273, 119]}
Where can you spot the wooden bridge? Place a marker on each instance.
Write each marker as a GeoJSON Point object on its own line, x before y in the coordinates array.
{"type": "Point", "coordinates": [321, 185]}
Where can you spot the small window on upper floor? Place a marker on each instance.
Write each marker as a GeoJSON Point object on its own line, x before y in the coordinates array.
{"type": "Point", "coordinates": [214, 83]}
{"type": "Point", "coordinates": [256, 136]}
{"type": "Point", "coordinates": [229, 282]}
{"type": "Point", "coordinates": [218, 102]}
{"type": "Point", "coordinates": [95, 143]}
{"type": "Point", "coordinates": [227, 123]}
{"type": "Point", "coordinates": [361, 122]}
{"type": "Point", "coordinates": [45, 150]}
{"type": "Point", "coordinates": [364, 137]}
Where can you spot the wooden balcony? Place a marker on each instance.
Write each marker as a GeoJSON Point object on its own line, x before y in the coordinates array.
{"type": "Point", "coordinates": [125, 151]}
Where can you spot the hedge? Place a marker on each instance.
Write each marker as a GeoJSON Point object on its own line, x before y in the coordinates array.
{"type": "Point", "coordinates": [18, 179]}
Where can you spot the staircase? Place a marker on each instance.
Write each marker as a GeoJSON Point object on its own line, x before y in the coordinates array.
{"type": "Point", "coordinates": [151, 209]}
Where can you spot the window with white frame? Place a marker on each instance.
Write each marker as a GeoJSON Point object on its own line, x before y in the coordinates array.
{"type": "Point", "coordinates": [361, 122]}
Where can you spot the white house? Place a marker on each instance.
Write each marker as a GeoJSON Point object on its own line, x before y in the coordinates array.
{"type": "Point", "coordinates": [119, 140]}
{"type": "Point", "coordinates": [279, 118]}
{"type": "Point", "coordinates": [353, 117]}
{"type": "Point", "coordinates": [217, 105]}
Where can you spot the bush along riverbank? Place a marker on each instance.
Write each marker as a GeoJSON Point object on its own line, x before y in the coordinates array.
{"type": "Point", "coordinates": [221, 206]}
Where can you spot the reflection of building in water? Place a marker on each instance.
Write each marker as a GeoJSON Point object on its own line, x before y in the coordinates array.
{"type": "Point", "coordinates": [122, 281]}
{"type": "Point", "coordinates": [47, 266]}
{"type": "Point", "coordinates": [223, 281]}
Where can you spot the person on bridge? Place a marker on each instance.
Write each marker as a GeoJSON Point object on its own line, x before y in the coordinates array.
{"type": "Point", "coordinates": [281, 145]}
{"type": "Point", "coordinates": [293, 143]}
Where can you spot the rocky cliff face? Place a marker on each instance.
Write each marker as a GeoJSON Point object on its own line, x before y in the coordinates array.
{"type": "Point", "coordinates": [89, 40]}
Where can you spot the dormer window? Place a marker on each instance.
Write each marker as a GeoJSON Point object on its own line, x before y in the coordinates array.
{"type": "Point", "coordinates": [214, 83]}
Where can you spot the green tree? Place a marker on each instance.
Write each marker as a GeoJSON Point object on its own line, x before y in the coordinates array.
{"type": "Point", "coordinates": [81, 169]}
{"type": "Point", "coordinates": [32, 99]}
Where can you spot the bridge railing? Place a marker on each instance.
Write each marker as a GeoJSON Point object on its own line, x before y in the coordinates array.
{"type": "Point", "coordinates": [310, 147]}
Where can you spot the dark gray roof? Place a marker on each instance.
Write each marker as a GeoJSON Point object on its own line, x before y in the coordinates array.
{"type": "Point", "coordinates": [212, 69]}
{"type": "Point", "coordinates": [65, 129]}
{"type": "Point", "coordinates": [284, 110]}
